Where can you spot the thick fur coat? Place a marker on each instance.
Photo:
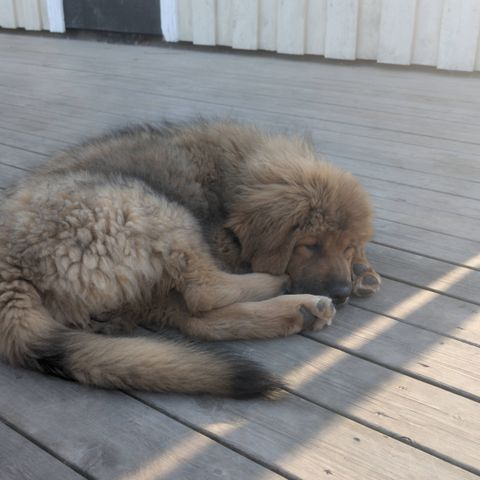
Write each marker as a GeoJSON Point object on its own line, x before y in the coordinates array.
{"type": "Point", "coordinates": [202, 228]}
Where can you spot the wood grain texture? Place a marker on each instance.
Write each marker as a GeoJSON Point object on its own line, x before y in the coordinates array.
{"type": "Point", "coordinates": [407, 349]}
{"type": "Point", "coordinates": [21, 459]}
{"type": "Point", "coordinates": [429, 310]}
{"type": "Point", "coordinates": [109, 435]}
{"type": "Point", "coordinates": [460, 282]}
{"type": "Point", "coordinates": [306, 440]}
{"type": "Point", "coordinates": [373, 395]}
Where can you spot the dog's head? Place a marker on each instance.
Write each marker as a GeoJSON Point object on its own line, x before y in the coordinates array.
{"type": "Point", "coordinates": [302, 216]}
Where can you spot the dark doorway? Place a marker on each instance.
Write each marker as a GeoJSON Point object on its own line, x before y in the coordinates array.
{"type": "Point", "coordinates": [126, 16]}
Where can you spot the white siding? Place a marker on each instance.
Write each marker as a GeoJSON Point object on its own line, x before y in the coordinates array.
{"type": "Point", "coordinates": [443, 33]}
{"type": "Point", "coordinates": [267, 27]}
{"type": "Point", "coordinates": [291, 26]}
{"type": "Point", "coordinates": [32, 14]}
{"type": "Point", "coordinates": [203, 22]}
{"type": "Point", "coordinates": [427, 32]}
{"type": "Point", "coordinates": [8, 16]}
{"type": "Point", "coordinates": [316, 27]}
{"type": "Point", "coordinates": [397, 24]}
{"type": "Point", "coordinates": [459, 35]}
{"type": "Point", "coordinates": [245, 24]}
{"type": "Point", "coordinates": [341, 34]}
{"type": "Point", "coordinates": [368, 29]}
{"type": "Point", "coordinates": [224, 22]}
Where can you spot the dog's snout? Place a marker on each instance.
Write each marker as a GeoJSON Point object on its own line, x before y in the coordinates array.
{"type": "Point", "coordinates": [340, 293]}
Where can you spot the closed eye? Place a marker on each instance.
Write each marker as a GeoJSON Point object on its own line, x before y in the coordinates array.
{"type": "Point", "coordinates": [315, 248]}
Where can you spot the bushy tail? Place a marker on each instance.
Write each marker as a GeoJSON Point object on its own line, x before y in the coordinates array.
{"type": "Point", "coordinates": [30, 337]}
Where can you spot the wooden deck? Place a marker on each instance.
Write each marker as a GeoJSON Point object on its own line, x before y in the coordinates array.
{"type": "Point", "coordinates": [391, 390]}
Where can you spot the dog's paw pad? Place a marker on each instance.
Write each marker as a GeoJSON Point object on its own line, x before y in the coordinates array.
{"type": "Point", "coordinates": [367, 283]}
{"type": "Point", "coordinates": [317, 314]}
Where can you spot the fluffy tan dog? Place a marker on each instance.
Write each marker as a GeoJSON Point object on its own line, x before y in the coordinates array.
{"type": "Point", "coordinates": [202, 228]}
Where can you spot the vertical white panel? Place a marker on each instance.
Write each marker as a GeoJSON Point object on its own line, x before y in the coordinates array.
{"type": "Point", "coordinates": [459, 35]}
{"type": "Point", "coordinates": [19, 12]}
{"type": "Point", "coordinates": [224, 22]}
{"type": "Point", "coordinates": [316, 27]}
{"type": "Point", "coordinates": [245, 24]}
{"type": "Point", "coordinates": [31, 15]}
{"type": "Point", "coordinates": [369, 12]}
{"type": "Point", "coordinates": [341, 33]}
{"type": "Point", "coordinates": [291, 26]}
{"type": "Point", "coordinates": [169, 20]}
{"type": "Point", "coordinates": [203, 21]}
{"type": "Point", "coordinates": [427, 32]}
{"type": "Point", "coordinates": [185, 29]}
{"type": "Point", "coordinates": [477, 63]}
{"type": "Point", "coordinates": [397, 25]}
{"type": "Point", "coordinates": [267, 25]}
{"type": "Point", "coordinates": [56, 16]}
{"type": "Point", "coordinates": [8, 17]}
{"type": "Point", "coordinates": [44, 14]}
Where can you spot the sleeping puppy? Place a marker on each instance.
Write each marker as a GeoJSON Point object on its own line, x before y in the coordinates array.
{"type": "Point", "coordinates": [200, 227]}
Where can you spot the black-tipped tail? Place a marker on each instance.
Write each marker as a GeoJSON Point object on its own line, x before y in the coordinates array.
{"type": "Point", "coordinates": [250, 381]}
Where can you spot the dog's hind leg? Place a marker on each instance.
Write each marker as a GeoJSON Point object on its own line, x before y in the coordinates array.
{"type": "Point", "coordinates": [276, 317]}
{"type": "Point", "coordinates": [366, 281]}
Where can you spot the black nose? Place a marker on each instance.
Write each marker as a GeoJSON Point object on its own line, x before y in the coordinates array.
{"type": "Point", "coordinates": [340, 293]}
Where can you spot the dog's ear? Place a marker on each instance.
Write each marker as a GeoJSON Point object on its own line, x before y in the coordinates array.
{"type": "Point", "coordinates": [266, 221]}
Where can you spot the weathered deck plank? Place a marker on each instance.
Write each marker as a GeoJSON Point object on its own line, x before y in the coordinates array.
{"type": "Point", "coordinates": [421, 353]}
{"type": "Point", "coordinates": [109, 436]}
{"type": "Point", "coordinates": [21, 459]}
{"type": "Point", "coordinates": [308, 441]}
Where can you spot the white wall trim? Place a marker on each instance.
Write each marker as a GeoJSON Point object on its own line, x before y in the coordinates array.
{"type": "Point", "coordinates": [169, 20]}
{"type": "Point", "coordinates": [8, 16]}
{"type": "Point", "coordinates": [56, 16]}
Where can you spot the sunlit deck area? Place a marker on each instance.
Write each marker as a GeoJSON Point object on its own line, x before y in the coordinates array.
{"type": "Point", "coordinates": [391, 389]}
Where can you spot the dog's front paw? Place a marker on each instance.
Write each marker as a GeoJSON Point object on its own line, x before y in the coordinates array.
{"type": "Point", "coordinates": [366, 281]}
{"type": "Point", "coordinates": [317, 313]}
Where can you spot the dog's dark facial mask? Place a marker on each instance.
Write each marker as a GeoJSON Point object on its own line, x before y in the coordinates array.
{"type": "Point", "coordinates": [322, 266]}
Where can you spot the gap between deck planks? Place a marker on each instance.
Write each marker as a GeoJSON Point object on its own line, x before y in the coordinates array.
{"type": "Point", "coordinates": [21, 459]}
